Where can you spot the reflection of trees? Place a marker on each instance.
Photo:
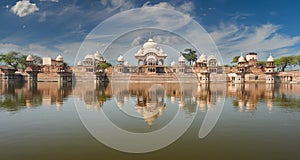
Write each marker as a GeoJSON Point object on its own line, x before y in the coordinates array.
{"type": "Point", "coordinates": [16, 96]}
{"type": "Point", "coordinates": [20, 95]}
{"type": "Point", "coordinates": [248, 95]}
{"type": "Point", "coordinates": [287, 101]}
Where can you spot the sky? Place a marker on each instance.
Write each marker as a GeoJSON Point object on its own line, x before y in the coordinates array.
{"type": "Point", "coordinates": [53, 27]}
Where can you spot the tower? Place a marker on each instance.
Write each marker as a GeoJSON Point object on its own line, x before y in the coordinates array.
{"type": "Point", "coordinates": [202, 69]}
{"type": "Point", "coordinates": [270, 70]}
{"type": "Point", "coordinates": [242, 69]}
{"type": "Point", "coordinates": [31, 69]}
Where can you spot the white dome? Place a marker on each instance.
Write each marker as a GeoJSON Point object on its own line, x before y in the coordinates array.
{"type": "Point", "coordinates": [150, 44]}
{"type": "Point", "coordinates": [79, 63]}
{"type": "Point", "coordinates": [120, 58]}
{"type": "Point", "coordinates": [59, 58]}
{"type": "Point", "coordinates": [211, 57]}
{"type": "Point", "coordinates": [270, 59]}
{"type": "Point", "coordinates": [161, 51]}
{"type": "Point", "coordinates": [181, 59]}
{"type": "Point", "coordinates": [29, 58]}
{"type": "Point", "coordinates": [202, 58]}
{"type": "Point", "coordinates": [126, 63]}
{"type": "Point", "coordinates": [97, 55]}
{"type": "Point", "coordinates": [241, 59]}
{"type": "Point", "coordinates": [173, 64]}
{"type": "Point", "coordinates": [89, 56]}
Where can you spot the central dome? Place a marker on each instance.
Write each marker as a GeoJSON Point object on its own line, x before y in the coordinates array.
{"type": "Point", "coordinates": [150, 44]}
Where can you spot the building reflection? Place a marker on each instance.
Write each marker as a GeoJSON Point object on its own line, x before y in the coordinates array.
{"type": "Point", "coordinates": [93, 95]}
{"type": "Point", "coordinates": [151, 100]}
{"type": "Point", "coordinates": [15, 96]}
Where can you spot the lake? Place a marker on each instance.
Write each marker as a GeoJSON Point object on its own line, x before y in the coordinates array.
{"type": "Point", "coordinates": [74, 121]}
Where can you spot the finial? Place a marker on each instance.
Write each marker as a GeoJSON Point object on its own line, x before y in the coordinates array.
{"type": "Point", "coordinates": [150, 35]}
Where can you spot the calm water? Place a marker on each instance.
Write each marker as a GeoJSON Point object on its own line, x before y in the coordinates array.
{"type": "Point", "coordinates": [258, 121]}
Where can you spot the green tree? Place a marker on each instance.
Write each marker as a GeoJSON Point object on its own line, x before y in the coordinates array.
{"type": "Point", "coordinates": [13, 59]}
{"type": "Point", "coordinates": [17, 60]}
{"type": "Point", "coordinates": [235, 59]}
{"type": "Point", "coordinates": [104, 65]}
{"type": "Point", "coordinates": [262, 63]}
{"type": "Point", "coordinates": [190, 55]}
{"type": "Point", "coordinates": [298, 59]}
{"type": "Point", "coordinates": [283, 62]}
{"type": "Point", "coordinates": [37, 60]}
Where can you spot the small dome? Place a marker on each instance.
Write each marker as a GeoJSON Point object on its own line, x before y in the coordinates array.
{"type": "Point", "coordinates": [270, 59]}
{"type": "Point", "coordinates": [173, 64]}
{"type": "Point", "coordinates": [161, 51]}
{"type": "Point", "coordinates": [241, 59]}
{"type": "Point", "coordinates": [89, 56]}
{"type": "Point", "coordinates": [202, 58]}
{"type": "Point", "coordinates": [126, 63]}
{"type": "Point", "coordinates": [79, 63]}
{"type": "Point", "coordinates": [140, 52]}
{"type": "Point", "coordinates": [211, 57]}
{"type": "Point", "coordinates": [181, 59]}
{"type": "Point", "coordinates": [150, 44]}
{"type": "Point", "coordinates": [120, 58]}
{"type": "Point", "coordinates": [59, 58]}
{"type": "Point", "coordinates": [29, 58]}
{"type": "Point", "coordinates": [97, 55]}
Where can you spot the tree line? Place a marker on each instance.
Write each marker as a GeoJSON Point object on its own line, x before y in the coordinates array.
{"type": "Point", "coordinates": [280, 63]}
{"type": "Point", "coordinates": [17, 60]}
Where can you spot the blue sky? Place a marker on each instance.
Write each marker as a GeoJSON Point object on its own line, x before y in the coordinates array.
{"type": "Point", "coordinates": [52, 27]}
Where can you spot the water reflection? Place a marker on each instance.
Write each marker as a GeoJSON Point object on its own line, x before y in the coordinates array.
{"type": "Point", "coordinates": [149, 100]}
{"type": "Point", "coordinates": [15, 96]}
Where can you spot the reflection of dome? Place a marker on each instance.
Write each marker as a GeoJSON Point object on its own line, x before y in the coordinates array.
{"type": "Point", "coordinates": [181, 104]}
{"type": "Point", "coordinates": [181, 59]}
{"type": "Point", "coordinates": [29, 58]}
{"type": "Point", "coordinates": [120, 104]}
{"type": "Point", "coordinates": [270, 59]}
{"type": "Point", "coordinates": [59, 104]}
{"type": "Point", "coordinates": [59, 58]}
{"type": "Point", "coordinates": [150, 44]}
{"type": "Point", "coordinates": [173, 98]}
{"type": "Point", "coordinates": [28, 103]}
{"type": "Point", "coordinates": [120, 58]}
{"type": "Point", "coordinates": [173, 64]}
{"type": "Point", "coordinates": [241, 59]}
{"type": "Point", "coordinates": [79, 63]}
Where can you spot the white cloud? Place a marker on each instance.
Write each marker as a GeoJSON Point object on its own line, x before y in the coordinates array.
{"type": "Point", "coordinates": [138, 41]}
{"type": "Point", "coordinates": [24, 8]}
{"type": "Point", "coordinates": [186, 7]}
{"type": "Point", "coordinates": [49, 1]}
{"type": "Point", "coordinates": [232, 39]}
{"type": "Point", "coordinates": [35, 49]}
{"type": "Point", "coordinates": [112, 5]}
